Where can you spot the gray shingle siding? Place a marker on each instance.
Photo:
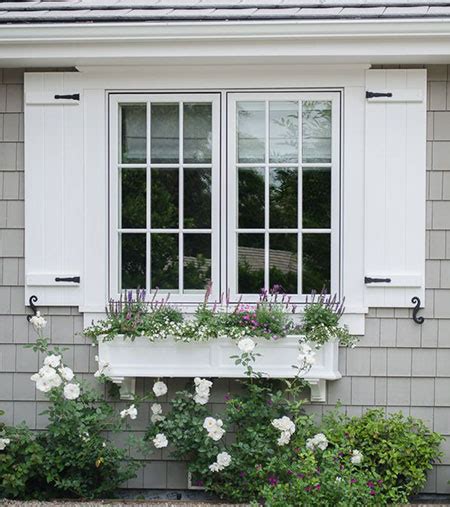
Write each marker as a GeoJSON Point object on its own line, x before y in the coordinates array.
{"type": "Point", "coordinates": [397, 366]}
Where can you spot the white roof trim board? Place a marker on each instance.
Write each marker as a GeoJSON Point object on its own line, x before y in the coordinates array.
{"type": "Point", "coordinates": [98, 11]}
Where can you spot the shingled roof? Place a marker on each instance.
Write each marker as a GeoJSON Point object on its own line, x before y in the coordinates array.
{"type": "Point", "coordinates": [101, 11]}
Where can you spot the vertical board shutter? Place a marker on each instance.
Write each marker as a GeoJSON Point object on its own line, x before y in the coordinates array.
{"type": "Point", "coordinates": [54, 205]}
{"type": "Point", "coordinates": [395, 179]}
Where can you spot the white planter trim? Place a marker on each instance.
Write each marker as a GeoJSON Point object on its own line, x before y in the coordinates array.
{"type": "Point", "coordinates": [142, 358]}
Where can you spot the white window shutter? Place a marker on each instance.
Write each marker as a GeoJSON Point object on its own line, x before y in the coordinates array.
{"type": "Point", "coordinates": [53, 189]}
{"type": "Point", "coordinates": [395, 195]}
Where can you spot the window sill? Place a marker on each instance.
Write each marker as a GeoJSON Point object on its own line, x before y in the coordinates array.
{"type": "Point", "coordinates": [141, 358]}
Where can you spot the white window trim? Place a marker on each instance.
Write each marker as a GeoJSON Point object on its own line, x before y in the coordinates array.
{"type": "Point", "coordinates": [223, 181]}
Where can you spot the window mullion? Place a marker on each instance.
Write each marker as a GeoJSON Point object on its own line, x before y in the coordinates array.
{"type": "Point", "coordinates": [300, 200]}
{"type": "Point", "coordinates": [181, 201]}
{"type": "Point", "coordinates": [266, 199]}
{"type": "Point", "coordinates": [148, 279]}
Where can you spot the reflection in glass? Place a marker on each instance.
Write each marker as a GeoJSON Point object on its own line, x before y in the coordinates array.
{"type": "Point", "coordinates": [250, 263]}
{"type": "Point", "coordinates": [283, 262]}
{"type": "Point", "coordinates": [283, 132]}
{"type": "Point", "coordinates": [134, 134]}
{"type": "Point", "coordinates": [133, 193]}
{"type": "Point", "coordinates": [164, 198]}
{"type": "Point", "coordinates": [316, 262]}
{"type": "Point", "coordinates": [316, 198]}
{"type": "Point", "coordinates": [133, 260]}
{"type": "Point", "coordinates": [251, 198]}
{"type": "Point", "coordinates": [165, 133]}
{"type": "Point", "coordinates": [197, 127]}
{"type": "Point", "coordinates": [197, 261]}
{"type": "Point", "coordinates": [164, 261]}
{"type": "Point", "coordinates": [251, 132]}
{"type": "Point", "coordinates": [197, 198]}
{"type": "Point", "coordinates": [283, 198]}
{"type": "Point", "coordinates": [317, 131]}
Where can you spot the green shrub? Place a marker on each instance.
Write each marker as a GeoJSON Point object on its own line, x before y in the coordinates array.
{"type": "Point", "coordinates": [21, 464]}
{"type": "Point", "coordinates": [398, 449]}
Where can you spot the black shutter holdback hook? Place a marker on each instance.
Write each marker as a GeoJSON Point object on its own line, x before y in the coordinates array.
{"type": "Point", "coordinates": [373, 95]}
{"type": "Point", "coordinates": [416, 301]}
{"type": "Point", "coordinates": [73, 96]}
{"type": "Point", "coordinates": [33, 299]}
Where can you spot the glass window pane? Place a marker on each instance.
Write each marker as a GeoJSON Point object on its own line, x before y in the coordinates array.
{"type": "Point", "coordinates": [164, 261]}
{"type": "Point", "coordinates": [283, 132]}
{"type": "Point", "coordinates": [251, 132]}
{"type": "Point", "coordinates": [197, 261]}
{"type": "Point", "coordinates": [164, 199]}
{"type": "Point", "coordinates": [165, 133]}
{"type": "Point", "coordinates": [250, 263]}
{"type": "Point", "coordinates": [283, 262]}
{"type": "Point", "coordinates": [197, 127]}
{"type": "Point", "coordinates": [316, 262]}
{"type": "Point", "coordinates": [317, 131]}
{"type": "Point", "coordinates": [316, 198]}
{"type": "Point", "coordinates": [251, 198]}
{"type": "Point", "coordinates": [134, 197]}
{"type": "Point", "coordinates": [197, 198]}
{"type": "Point", "coordinates": [134, 134]}
{"type": "Point", "coordinates": [133, 256]}
{"type": "Point", "coordinates": [283, 198]}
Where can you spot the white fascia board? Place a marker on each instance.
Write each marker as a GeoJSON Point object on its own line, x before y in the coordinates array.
{"type": "Point", "coordinates": [373, 41]}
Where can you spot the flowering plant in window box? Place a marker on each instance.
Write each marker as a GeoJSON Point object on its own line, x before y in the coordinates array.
{"type": "Point", "coordinates": [202, 345]}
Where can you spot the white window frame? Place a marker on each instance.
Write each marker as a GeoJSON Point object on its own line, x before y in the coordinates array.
{"type": "Point", "coordinates": [334, 230]}
{"type": "Point", "coordinates": [224, 200]}
{"type": "Point", "coordinates": [116, 100]}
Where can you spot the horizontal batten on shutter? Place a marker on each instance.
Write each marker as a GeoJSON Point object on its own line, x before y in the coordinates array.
{"type": "Point", "coordinates": [395, 165]}
{"type": "Point", "coordinates": [51, 98]}
{"type": "Point", "coordinates": [409, 280]}
{"type": "Point", "coordinates": [389, 95]}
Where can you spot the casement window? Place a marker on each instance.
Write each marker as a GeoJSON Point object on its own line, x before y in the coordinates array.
{"type": "Point", "coordinates": [249, 177]}
{"type": "Point", "coordinates": [276, 182]}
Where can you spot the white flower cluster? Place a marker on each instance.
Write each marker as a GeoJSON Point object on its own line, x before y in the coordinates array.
{"type": "Point", "coordinates": [156, 413]}
{"type": "Point", "coordinates": [160, 441]}
{"type": "Point", "coordinates": [223, 460]}
{"type": "Point", "coordinates": [214, 428]}
{"type": "Point", "coordinates": [357, 457]}
{"type": "Point", "coordinates": [246, 345]}
{"type": "Point", "coordinates": [159, 388]}
{"type": "Point", "coordinates": [103, 367]}
{"type": "Point", "coordinates": [3, 443]}
{"type": "Point", "coordinates": [202, 390]}
{"type": "Point", "coordinates": [131, 412]}
{"type": "Point", "coordinates": [38, 322]}
{"type": "Point", "coordinates": [306, 357]}
{"type": "Point", "coordinates": [53, 374]}
{"type": "Point", "coordinates": [318, 441]}
{"type": "Point", "coordinates": [287, 428]}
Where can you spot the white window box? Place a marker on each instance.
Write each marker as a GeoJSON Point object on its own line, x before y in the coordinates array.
{"type": "Point", "coordinates": [142, 358]}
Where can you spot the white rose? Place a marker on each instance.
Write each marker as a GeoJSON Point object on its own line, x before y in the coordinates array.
{"type": "Point", "coordinates": [132, 412]}
{"type": "Point", "coordinates": [357, 457]}
{"type": "Point", "coordinates": [209, 423]}
{"type": "Point", "coordinates": [156, 408]}
{"type": "Point", "coordinates": [284, 439]}
{"type": "Point", "coordinates": [160, 441]}
{"type": "Point", "coordinates": [216, 434]}
{"type": "Point", "coordinates": [246, 345]}
{"type": "Point", "coordinates": [71, 391]}
{"type": "Point", "coordinates": [54, 379]}
{"type": "Point", "coordinates": [159, 388]}
{"type": "Point", "coordinates": [3, 443]}
{"type": "Point", "coordinates": [66, 373]}
{"type": "Point", "coordinates": [43, 385]}
{"type": "Point", "coordinates": [201, 400]}
{"type": "Point", "coordinates": [214, 467]}
{"type": "Point", "coordinates": [52, 360]}
{"type": "Point", "coordinates": [38, 322]}
{"type": "Point", "coordinates": [223, 459]}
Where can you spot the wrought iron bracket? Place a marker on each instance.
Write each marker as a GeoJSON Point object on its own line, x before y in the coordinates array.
{"type": "Point", "coordinates": [73, 96]}
{"type": "Point", "coordinates": [74, 279]}
{"type": "Point", "coordinates": [416, 301]}
{"type": "Point", "coordinates": [368, 279]}
{"type": "Point", "coordinates": [33, 299]}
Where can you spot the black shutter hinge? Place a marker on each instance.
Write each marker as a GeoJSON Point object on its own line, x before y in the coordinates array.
{"type": "Point", "coordinates": [372, 95]}
{"type": "Point", "coordinates": [74, 96]}
{"type": "Point", "coordinates": [368, 279]}
{"type": "Point", "coordinates": [74, 279]}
